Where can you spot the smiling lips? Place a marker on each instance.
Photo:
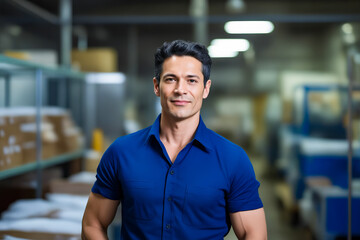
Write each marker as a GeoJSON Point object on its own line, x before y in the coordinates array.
{"type": "Point", "coordinates": [180, 102]}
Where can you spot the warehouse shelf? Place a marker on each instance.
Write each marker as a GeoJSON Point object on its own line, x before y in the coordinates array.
{"type": "Point", "coordinates": [9, 65]}
{"type": "Point", "coordinates": [67, 81]}
{"type": "Point", "coordinates": [46, 163]}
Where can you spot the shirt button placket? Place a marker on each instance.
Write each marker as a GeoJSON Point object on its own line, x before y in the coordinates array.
{"type": "Point", "coordinates": [168, 213]}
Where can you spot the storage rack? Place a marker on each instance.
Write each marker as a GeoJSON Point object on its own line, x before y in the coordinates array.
{"type": "Point", "coordinates": [10, 67]}
{"type": "Point", "coordinates": [353, 64]}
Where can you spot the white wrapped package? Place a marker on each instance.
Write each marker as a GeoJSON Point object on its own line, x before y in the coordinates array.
{"type": "Point", "coordinates": [77, 202]}
{"type": "Point", "coordinates": [7, 237]}
{"type": "Point", "coordinates": [83, 177]}
{"type": "Point", "coordinates": [45, 225]}
{"type": "Point", "coordinates": [71, 215]}
{"type": "Point", "coordinates": [27, 208]}
{"type": "Point", "coordinates": [325, 147]}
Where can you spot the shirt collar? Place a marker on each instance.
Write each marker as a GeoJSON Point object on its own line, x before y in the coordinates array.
{"type": "Point", "coordinates": [155, 130]}
{"type": "Point", "coordinates": [201, 134]}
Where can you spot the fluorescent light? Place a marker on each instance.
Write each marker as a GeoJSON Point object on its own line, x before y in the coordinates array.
{"type": "Point", "coordinates": [105, 78]}
{"type": "Point", "coordinates": [227, 48]}
{"type": "Point", "coordinates": [249, 27]}
{"type": "Point", "coordinates": [239, 45]}
{"type": "Point", "coordinates": [219, 52]}
{"type": "Point", "coordinates": [347, 28]}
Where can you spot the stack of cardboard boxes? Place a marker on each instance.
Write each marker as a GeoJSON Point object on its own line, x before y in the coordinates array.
{"type": "Point", "coordinates": [11, 153]}
{"type": "Point", "coordinates": [18, 135]}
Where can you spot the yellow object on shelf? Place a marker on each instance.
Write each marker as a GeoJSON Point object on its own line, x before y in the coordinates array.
{"type": "Point", "coordinates": [18, 55]}
{"type": "Point", "coordinates": [98, 140]}
{"type": "Point", "coordinates": [95, 59]}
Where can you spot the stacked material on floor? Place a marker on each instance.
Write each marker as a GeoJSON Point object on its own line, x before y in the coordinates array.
{"type": "Point", "coordinates": [324, 209]}
{"type": "Point", "coordinates": [57, 217]}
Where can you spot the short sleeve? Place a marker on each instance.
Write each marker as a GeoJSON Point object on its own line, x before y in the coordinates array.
{"type": "Point", "coordinates": [244, 187]}
{"type": "Point", "coordinates": [107, 183]}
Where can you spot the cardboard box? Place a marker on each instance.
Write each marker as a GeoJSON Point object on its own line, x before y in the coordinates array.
{"type": "Point", "coordinates": [59, 135]}
{"type": "Point", "coordinates": [12, 156]}
{"type": "Point", "coordinates": [10, 150]}
{"type": "Point", "coordinates": [95, 59]}
{"type": "Point", "coordinates": [49, 150]}
{"type": "Point", "coordinates": [29, 152]}
{"type": "Point", "coordinates": [92, 160]}
{"type": "Point", "coordinates": [39, 235]}
{"type": "Point", "coordinates": [58, 120]}
{"type": "Point", "coordinates": [65, 186]}
{"type": "Point", "coordinates": [48, 137]}
{"type": "Point", "coordinates": [69, 136]}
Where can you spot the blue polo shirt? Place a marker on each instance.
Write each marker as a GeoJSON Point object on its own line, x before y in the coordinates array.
{"type": "Point", "coordinates": [188, 199]}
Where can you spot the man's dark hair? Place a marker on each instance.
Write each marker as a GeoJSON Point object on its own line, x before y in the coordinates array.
{"type": "Point", "coordinates": [183, 48]}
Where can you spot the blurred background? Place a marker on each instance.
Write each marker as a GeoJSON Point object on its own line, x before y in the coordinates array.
{"type": "Point", "coordinates": [75, 75]}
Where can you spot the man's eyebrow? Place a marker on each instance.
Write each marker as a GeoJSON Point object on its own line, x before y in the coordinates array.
{"type": "Point", "coordinates": [193, 76]}
{"type": "Point", "coordinates": [188, 76]}
{"type": "Point", "coordinates": [169, 75]}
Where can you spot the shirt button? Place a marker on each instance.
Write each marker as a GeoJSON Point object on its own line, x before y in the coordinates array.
{"type": "Point", "coordinates": [169, 199]}
{"type": "Point", "coordinates": [172, 172]}
{"type": "Point", "coordinates": [167, 226]}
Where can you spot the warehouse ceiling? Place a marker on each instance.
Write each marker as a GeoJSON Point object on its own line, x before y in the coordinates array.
{"type": "Point", "coordinates": [166, 7]}
{"type": "Point", "coordinates": [301, 40]}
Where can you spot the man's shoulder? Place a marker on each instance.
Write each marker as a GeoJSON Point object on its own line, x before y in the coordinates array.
{"type": "Point", "coordinates": [221, 142]}
{"type": "Point", "coordinates": [132, 138]}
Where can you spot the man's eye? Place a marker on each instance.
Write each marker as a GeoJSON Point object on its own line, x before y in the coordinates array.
{"type": "Point", "coordinates": [192, 81]}
{"type": "Point", "coordinates": [169, 79]}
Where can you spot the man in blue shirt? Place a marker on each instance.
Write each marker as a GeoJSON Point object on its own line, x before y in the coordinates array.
{"type": "Point", "coordinates": [176, 179]}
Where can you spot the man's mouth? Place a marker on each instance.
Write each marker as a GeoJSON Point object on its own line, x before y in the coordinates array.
{"type": "Point", "coordinates": [180, 102]}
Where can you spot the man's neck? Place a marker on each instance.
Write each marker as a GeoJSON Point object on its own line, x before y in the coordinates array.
{"type": "Point", "coordinates": [178, 132]}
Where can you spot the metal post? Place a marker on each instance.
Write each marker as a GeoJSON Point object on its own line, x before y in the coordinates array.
{"type": "Point", "coordinates": [350, 71]}
{"type": "Point", "coordinates": [61, 92]}
{"type": "Point", "coordinates": [38, 93]}
{"type": "Point", "coordinates": [65, 21]}
{"type": "Point", "coordinates": [7, 90]}
{"type": "Point", "coordinates": [199, 11]}
{"type": "Point", "coordinates": [133, 60]}
{"type": "Point", "coordinates": [45, 90]}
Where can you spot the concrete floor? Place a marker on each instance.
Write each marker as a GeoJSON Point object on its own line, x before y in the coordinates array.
{"type": "Point", "coordinates": [278, 221]}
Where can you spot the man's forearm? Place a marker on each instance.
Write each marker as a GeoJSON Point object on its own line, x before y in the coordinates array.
{"type": "Point", "coordinates": [93, 233]}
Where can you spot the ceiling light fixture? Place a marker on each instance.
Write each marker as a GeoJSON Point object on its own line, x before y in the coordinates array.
{"type": "Point", "coordinates": [249, 27]}
{"type": "Point", "coordinates": [218, 52]}
{"type": "Point", "coordinates": [227, 48]}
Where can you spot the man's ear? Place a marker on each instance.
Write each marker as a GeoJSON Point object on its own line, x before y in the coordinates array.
{"type": "Point", "coordinates": [207, 89]}
{"type": "Point", "coordinates": [156, 87]}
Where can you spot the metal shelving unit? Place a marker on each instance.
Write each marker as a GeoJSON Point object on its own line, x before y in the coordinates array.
{"type": "Point", "coordinates": [352, 64]}
{"type": "Point", "coordinates": [12, 172]}
{"type": "Point", "coordinates": [10, 67]}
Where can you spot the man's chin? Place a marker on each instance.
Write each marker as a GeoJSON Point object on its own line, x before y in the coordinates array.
{"type": "Point", "coordinates": [180, 116]}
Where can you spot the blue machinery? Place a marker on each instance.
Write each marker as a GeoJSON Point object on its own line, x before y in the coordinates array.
{"type": "Point", "coordinates": [329, 204]}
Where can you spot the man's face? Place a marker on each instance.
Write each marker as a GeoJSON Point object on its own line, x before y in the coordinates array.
{"type": "Point", "coordinates": [181, 87]}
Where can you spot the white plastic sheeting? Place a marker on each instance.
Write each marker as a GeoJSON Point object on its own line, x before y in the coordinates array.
{"type": "Point", "coordinates": [60, 213]}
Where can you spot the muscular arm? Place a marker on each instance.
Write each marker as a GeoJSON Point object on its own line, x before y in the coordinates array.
{"type": "Point", "coordinates": [249, 225]}
{"type": "Point", "coordinates": [99, 213]}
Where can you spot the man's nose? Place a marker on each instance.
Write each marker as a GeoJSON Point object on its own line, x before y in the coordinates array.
{"type": "Point", "coordinates": [181, 87]}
